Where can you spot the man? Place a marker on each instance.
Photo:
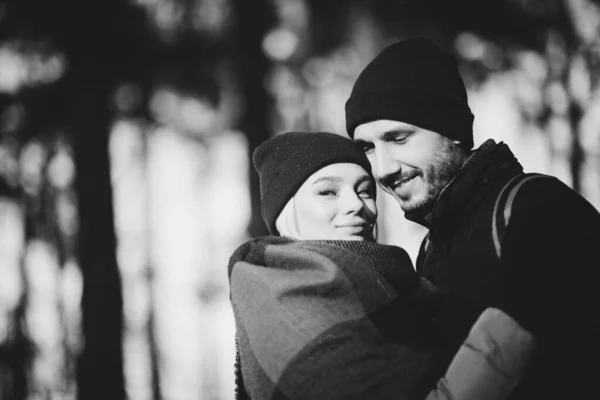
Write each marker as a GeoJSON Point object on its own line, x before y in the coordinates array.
{"type": "Point", "coordinates": [408, 110]}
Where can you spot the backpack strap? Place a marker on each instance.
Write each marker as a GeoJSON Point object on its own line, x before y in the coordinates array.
{"type": "Point", "coordinates": [504, 202]}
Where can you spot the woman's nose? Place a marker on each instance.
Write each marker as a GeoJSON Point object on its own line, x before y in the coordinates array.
{"type": "Point", "coordinates": [353, 202]}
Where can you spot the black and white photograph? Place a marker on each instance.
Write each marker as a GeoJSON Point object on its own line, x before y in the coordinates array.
{"type": "Point", "coordinates": [299, 199]}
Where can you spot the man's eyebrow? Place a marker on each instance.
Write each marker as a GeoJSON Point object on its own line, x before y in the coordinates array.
{"type": "Point", "coordinates": [361, 143]}
{"type": "Point", "coordinates": [327, 178]}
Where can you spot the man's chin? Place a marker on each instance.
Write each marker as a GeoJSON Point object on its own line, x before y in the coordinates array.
{"type": "Point", "coordinates": [414, 211]}
{"type": "Point", "coordinates": [415, 208]}
{"type": "Point", "coordinates": [408, 205]}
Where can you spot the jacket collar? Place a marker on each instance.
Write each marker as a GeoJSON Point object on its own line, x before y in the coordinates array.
{"type": "Point", "coordinates": [490, 163]}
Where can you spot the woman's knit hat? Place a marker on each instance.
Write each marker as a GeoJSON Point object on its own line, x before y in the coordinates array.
{"type": "Point", "coordinates": [285, 161]}
{"type": "Point", "coordinates": [417, 82]}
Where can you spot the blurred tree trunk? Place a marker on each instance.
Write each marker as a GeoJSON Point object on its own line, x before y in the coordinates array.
{"type": "Point", "coordinates": [100, 370]}
{"type": "Point", "coordinates": [252, 22]}
{"type": "Point", "coordinates": [17, 351]}
{"type": "Point", "coordinates": [98, 41]}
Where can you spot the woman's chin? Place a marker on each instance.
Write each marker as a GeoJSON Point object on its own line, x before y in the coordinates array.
{"type": "Point", "coordinates": [358, 237]}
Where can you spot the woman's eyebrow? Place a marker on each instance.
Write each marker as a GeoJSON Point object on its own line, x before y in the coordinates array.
{"type": "Point", "coordinates": [328, 179]}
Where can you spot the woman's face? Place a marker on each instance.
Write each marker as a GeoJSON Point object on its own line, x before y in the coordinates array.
{"type": "Point", "coordinates": [337, 202]}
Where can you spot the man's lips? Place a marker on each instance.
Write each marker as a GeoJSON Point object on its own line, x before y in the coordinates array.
{"type": "Point", "coordinates": [402, 181]}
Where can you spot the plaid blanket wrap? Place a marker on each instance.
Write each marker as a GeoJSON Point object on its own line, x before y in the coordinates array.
{"type": "Point", "coordinates": [332, 320]}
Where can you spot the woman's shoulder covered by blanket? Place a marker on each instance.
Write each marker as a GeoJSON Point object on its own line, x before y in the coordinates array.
{"type": "Point", "coordinates": [345, 308]}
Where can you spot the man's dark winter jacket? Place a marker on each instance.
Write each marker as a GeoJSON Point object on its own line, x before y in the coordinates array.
{"type": "Point", "coordinates": [548, 276]}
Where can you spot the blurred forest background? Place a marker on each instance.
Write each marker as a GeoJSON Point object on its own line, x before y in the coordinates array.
{"type": "Point", "coordinates": [125, 176]}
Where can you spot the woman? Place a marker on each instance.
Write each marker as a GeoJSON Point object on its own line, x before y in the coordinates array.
{"type": "Point", "coordinates": [324, 312]}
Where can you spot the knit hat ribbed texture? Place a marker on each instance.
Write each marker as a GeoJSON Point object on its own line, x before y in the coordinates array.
{"type": "Point", "coordinates": [417, 82]}
{"type": "Point", "coordinates": [285, 161]}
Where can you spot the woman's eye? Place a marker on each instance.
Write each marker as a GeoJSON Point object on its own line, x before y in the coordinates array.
{"type": "Point", "coordinates": [327, 192]}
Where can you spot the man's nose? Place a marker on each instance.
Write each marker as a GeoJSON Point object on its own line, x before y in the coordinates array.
{"type": "Point", "coordinates": [383, 164]}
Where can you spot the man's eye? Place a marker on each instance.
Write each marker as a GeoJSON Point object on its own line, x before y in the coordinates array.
{"type": "Point", "coordinates": [367, 149]}
{"type": "Point", "coordinates": [400, 139]}
{"type": "Point", "coordinates": [367, 193]}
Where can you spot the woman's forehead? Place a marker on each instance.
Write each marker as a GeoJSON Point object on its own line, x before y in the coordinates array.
{"type": "Point", "coordinates": [339, 172]}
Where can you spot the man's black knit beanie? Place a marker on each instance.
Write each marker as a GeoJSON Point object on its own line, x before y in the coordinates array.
{"type": "Point", "coordinates": [285, 161]}
{"type": "Point", "coordinates": [417, 82]}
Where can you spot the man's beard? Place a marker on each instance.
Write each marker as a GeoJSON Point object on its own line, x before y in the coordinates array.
{"type": "Point", "coordinates": [447, 161]}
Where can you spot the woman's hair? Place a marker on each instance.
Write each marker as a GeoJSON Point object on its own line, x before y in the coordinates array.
{"type": "Point", "coordinates": [287, 221]}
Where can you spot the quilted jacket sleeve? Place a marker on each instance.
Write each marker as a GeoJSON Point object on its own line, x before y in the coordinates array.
{"type": "Point", "coordinates": [489, 363]}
